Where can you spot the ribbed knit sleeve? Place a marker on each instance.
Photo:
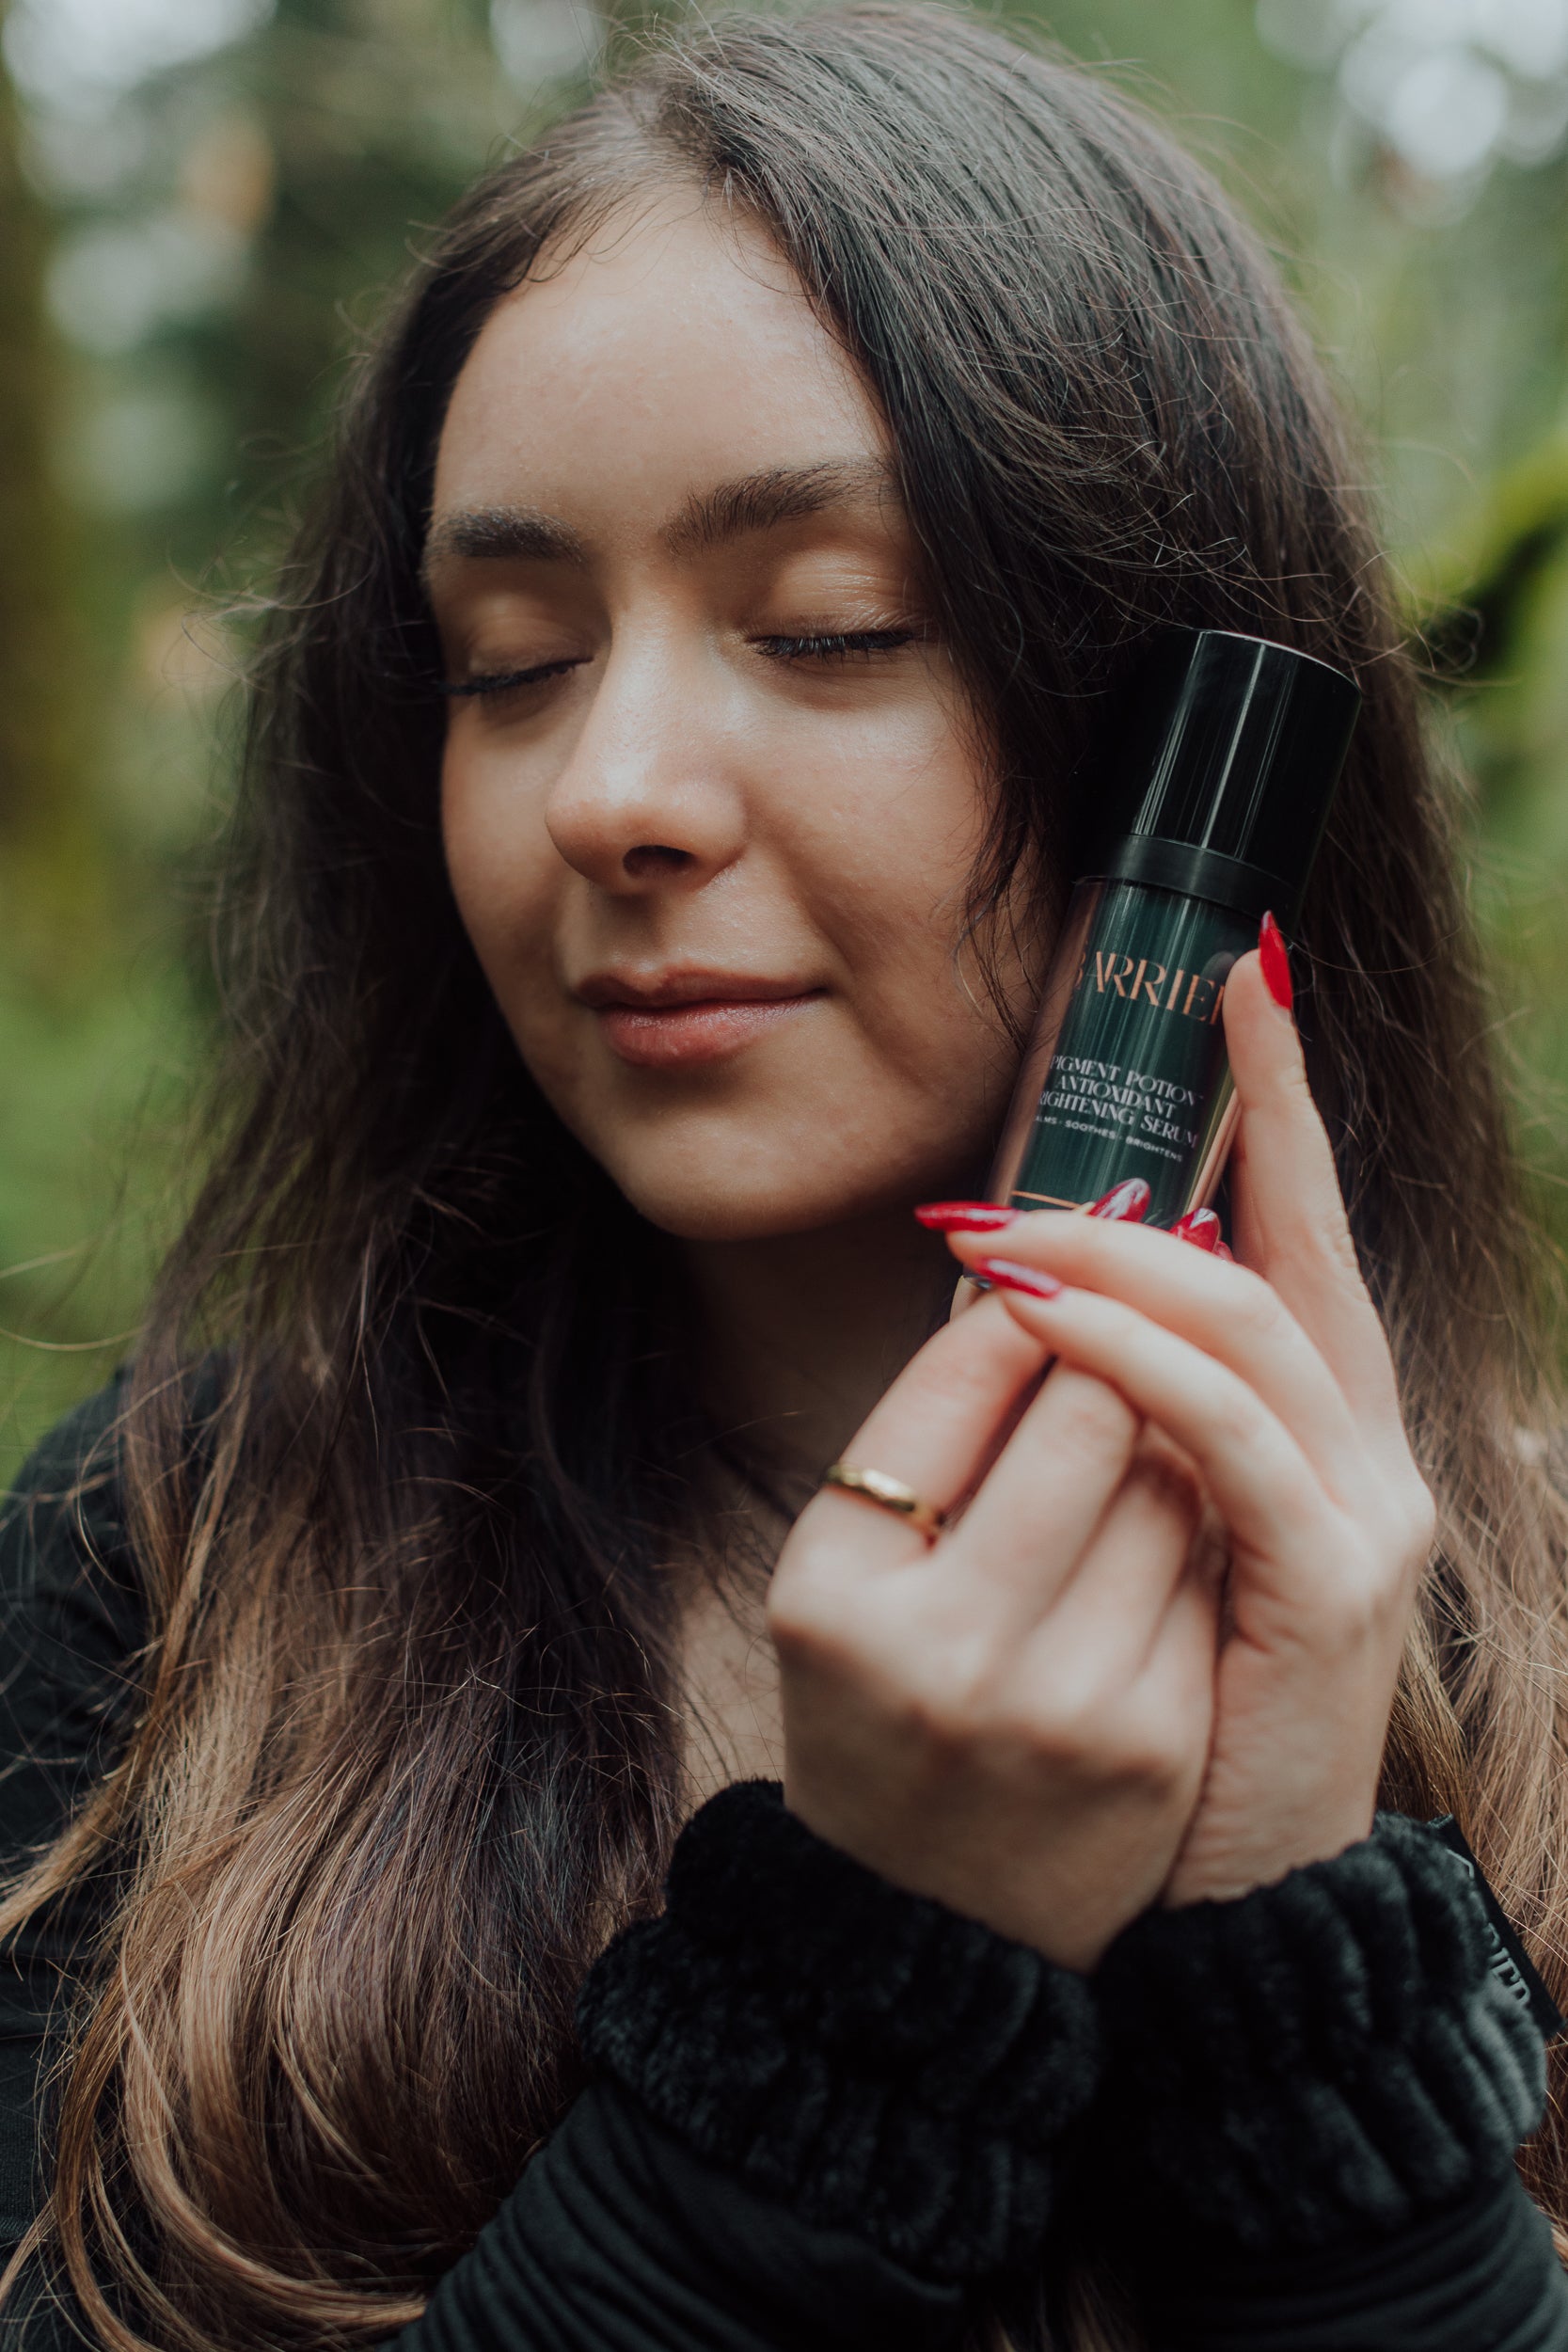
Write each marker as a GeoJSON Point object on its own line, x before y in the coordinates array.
{"type": "Point", "coordinates": [1326, 2059]}
{"type": "Point", "coordinates": [863, 2056]}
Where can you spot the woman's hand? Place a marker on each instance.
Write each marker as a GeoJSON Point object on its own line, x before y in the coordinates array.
{"type": "Point", "coordinates": [1015, 1719]}
{"type": "Point", "coordinates": [1274, 1376]}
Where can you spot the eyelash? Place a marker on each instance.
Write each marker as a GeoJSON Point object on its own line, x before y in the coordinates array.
{"type": "Point", "coordinates": [502, 682]}
{"type": "Point", "coordinates": [841, 645]}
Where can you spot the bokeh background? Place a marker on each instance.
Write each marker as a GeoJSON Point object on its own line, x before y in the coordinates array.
{"type": "Point", "coordinates": [203, 202]}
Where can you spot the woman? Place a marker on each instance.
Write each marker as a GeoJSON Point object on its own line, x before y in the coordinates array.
{"type": "Point", "coordinates": [662, 767]}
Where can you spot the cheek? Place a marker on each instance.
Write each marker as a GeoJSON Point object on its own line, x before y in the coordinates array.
{"type": "Point", "coordinates": [891, 845]}
{"type": "Point", "coordinates": [504, 869]}
{"type": "Point", "coordinates": [907, 1086]}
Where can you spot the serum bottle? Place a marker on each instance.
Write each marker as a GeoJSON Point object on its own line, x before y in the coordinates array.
{"type": "Point", "coordinates": [1211, 807]}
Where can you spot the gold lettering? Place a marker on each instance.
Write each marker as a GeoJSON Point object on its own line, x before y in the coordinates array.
{"type": "Point", "coordinates": [1143, 978]}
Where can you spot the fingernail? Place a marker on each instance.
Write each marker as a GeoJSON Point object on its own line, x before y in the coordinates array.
{"type": "Point", "coordinates": [964, 1216]}
{"type": "Point", "coordinates": [1275, 957]}
{"type": "Point", "coordinates": [1222, 1250]}
{"type": "Point", "coordinates": [1004, 1275]}
{"type": "Point", "coordinates": [1127, 1202]}
{"type": "Point", "coordinates": [1201, 1227]}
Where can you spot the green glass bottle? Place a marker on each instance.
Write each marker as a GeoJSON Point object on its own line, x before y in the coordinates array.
{"type": "Point", "coordinates": [1211, 805]}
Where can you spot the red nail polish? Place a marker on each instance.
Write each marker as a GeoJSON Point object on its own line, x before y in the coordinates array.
{"type": "Point", "coordinates": [1201, 1227]}
{"type": "Point", "coordinates": [1004, 1275]}
{"type": "Point", "coordinates": [1126, 1202]}
{"type": "Point", "coordinates": [1221, 1250]}
{"type": "Point", "coordinates": [964, 1216]}
{"type": "Point", "coordinates": [1275, 957]}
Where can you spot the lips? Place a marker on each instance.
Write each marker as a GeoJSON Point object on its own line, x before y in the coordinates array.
{"type": "Point", "coordinates": [671, 1020]}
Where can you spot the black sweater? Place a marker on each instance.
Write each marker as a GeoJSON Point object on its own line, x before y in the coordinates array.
{"type": "Point", "coordinates": [824, 2112]}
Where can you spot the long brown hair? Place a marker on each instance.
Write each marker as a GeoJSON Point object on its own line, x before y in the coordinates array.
{"type": "Point", "coordinates": [401, 1462]}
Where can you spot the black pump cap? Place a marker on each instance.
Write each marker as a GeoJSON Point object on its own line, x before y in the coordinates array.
{"type": "Point", "coordinates": [1219, 783]}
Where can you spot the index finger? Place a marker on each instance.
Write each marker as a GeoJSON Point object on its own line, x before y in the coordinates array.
{"type": "Point", "coordinates": [1289, 1213]}
{"type": "Point", "coordinates": [938, 1426]}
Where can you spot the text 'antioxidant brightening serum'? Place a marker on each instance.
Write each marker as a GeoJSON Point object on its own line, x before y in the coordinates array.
{"type": "Point", "coordinates": [1210, 808]}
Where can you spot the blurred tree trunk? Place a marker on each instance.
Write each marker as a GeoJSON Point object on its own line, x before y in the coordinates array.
{"type": "Point", "coordinates": [40, 736]}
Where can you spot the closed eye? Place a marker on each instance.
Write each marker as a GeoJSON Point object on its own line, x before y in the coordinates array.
{"type": "Point", "coordinates": [504, 681]}
{"type": "Point", "coordinates": [839, 646]}
{"type": "Point", "coordinates": [863, 645]}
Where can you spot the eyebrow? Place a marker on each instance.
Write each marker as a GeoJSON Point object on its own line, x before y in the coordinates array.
{"type": "Point", "coordinates": [501, 534]}
{"type": "Point", "coordinates": [754, 502]}
{"type": "Point", "coordinates": [782, 494]}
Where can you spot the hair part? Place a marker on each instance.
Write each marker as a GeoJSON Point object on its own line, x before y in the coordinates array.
{"type": "Point", "coordinates": [410, 1747]}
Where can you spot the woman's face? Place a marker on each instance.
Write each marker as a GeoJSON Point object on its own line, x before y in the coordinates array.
{"type": "Point", "coordinates": [711, 794]}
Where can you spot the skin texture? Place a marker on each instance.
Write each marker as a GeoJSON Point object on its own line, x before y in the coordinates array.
{"type": "Point", "coordinates": [686, 796]}
{"type": "Point", "coordinates": [713, 862]}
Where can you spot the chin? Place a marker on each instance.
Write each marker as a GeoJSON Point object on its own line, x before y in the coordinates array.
{"type": "Point", "coordinates": [731, 1179]}
{"type": "Point", "coordinates": [761, 1215]}
{"type": "Point", "coordinates": [767, 1204]}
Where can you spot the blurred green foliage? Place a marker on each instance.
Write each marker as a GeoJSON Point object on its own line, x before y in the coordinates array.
{"type": "Point", "coordinates": [196, 234]}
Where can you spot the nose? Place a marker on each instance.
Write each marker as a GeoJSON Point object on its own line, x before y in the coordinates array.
{"type": "Point", "coordinates": [649, 798]}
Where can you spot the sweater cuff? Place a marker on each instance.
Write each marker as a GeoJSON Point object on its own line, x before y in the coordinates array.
{"type": "Point", "coordinates": [862, 2055]}
{"type": "Point", "coordinates": [1324, 2060]}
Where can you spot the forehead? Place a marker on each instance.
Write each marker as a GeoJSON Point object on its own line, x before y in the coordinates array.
{"type": "Point", "coordinates": [674, 348]}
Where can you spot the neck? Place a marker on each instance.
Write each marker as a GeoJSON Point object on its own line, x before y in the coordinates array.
{"type": "Point", "coordinates": [800, 1333]}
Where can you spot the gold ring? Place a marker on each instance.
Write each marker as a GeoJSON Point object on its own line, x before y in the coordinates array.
{"type": "Point", "coordinates": [889, 1494]}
